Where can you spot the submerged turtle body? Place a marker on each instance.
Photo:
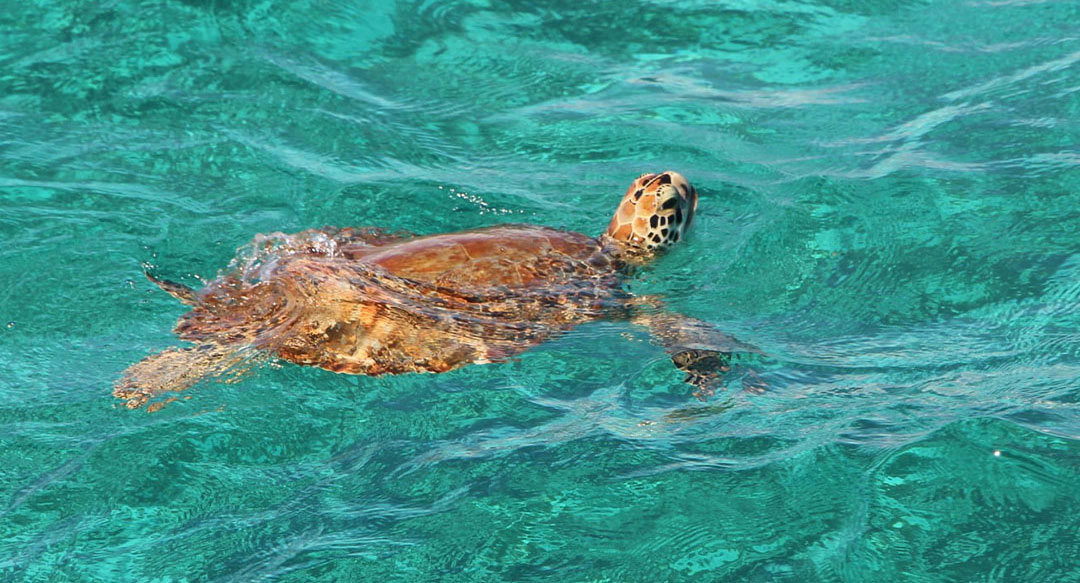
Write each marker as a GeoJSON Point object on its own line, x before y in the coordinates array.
{"type": "Point", "coordinates": [365, 301]}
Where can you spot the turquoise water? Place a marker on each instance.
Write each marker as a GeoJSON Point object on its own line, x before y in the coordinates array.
{"type": "Point", "coordinates": [889, 211]}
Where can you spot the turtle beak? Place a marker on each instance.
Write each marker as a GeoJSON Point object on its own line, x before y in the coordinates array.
{"type": "Point", "coordinates": [688, 195]}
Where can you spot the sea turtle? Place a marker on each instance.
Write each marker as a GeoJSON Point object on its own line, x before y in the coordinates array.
{"type": "Point", "coordinates": [369, 301]}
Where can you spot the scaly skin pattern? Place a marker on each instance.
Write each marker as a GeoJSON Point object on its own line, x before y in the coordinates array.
{"type": "Point", "coordinates": [654, 213]}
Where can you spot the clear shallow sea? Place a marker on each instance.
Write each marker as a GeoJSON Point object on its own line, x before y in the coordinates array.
{"type": "Point", "coordinates": [891, 211]}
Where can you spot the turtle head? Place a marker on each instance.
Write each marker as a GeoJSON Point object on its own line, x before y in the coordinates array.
{"type": "Point", "coordinates": [654, 213]}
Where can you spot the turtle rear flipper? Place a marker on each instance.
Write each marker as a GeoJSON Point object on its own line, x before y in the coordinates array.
{"type": "Point", "coordinates": [176, 369]}
{"type": "Point", "coordinates": [185, 294]}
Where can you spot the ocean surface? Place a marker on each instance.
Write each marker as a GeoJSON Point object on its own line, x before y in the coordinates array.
{"type": "Point", "coordinates": [890, 212]}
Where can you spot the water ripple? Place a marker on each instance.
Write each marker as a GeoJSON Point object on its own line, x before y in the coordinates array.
{"type": "Point", "coordinates": [888, 213]}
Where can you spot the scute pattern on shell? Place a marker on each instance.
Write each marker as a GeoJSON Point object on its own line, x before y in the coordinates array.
{"type": "Point", "coordinates": [431, 304]}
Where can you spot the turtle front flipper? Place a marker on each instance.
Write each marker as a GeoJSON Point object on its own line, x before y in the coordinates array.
{"type": "Point", "coordinates": [704, 369]}
{"type": "Point", "coordinates": [176, 369]}
{"type": "Point", "coordinates": [696, 347]}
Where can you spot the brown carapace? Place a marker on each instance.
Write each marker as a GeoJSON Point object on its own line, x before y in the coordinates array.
{"type": "Point", "coordinates": [369, 301]}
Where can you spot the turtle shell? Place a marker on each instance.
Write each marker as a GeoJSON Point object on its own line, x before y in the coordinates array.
{"type": "Point", "coordinates": [360, 301]}
{"type": "Point", "coordinates": [516, 256]}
